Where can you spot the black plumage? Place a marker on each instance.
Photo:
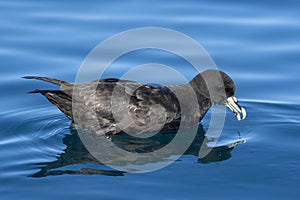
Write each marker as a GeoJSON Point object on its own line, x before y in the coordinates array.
{"type": "Point", "coordinates": [110, 106]}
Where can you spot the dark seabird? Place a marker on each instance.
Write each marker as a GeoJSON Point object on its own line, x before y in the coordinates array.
{"type": "Point", "coordinates": [110, 106]}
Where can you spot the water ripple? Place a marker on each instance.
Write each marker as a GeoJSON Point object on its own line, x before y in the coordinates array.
{"type": "Point", "coordinates": [28, 140]}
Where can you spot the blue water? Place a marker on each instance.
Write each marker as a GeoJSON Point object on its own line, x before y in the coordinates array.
{"type": "Point", "coordinates": [256, 42]}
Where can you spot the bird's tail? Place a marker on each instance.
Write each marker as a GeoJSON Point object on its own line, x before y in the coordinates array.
{"type": "Point", "coordinates": [49, 80]}
{"type": "Point", "coordinates": [59, 98]}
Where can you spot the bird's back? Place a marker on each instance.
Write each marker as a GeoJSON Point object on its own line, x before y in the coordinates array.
{"type": "Point", "coordinates": [111, 105]}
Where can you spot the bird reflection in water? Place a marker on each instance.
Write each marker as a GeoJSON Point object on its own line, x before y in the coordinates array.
{"type": "Point", "coordinates": [76, 154]}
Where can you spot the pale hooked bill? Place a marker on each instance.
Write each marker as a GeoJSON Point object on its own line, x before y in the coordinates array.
{"type": "Point", "coordinates": [232, 104]}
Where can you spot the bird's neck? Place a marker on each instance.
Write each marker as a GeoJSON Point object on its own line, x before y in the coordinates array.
{"type": "Point", "coordinates": [201, 91]}
{"type": "Point", "coordinates": [199, 86]}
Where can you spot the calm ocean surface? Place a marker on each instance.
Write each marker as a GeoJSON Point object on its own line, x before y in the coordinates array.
{"type": "Point", "coordinates": [256, 42]}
